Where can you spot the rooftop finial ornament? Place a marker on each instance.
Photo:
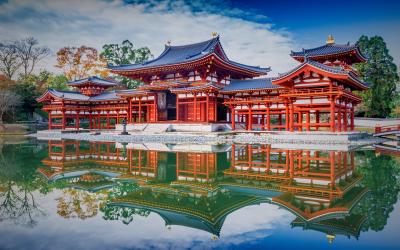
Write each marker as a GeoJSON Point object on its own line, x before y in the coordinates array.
{"type": "Point", "coordinates": [169, 42]}
{"type": "Point", "coordinates": [214, 34]}
{"type": "Point", "coordinates": [330, 40]}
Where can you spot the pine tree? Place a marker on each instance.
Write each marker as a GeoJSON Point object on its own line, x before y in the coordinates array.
{"type": "Point", "coordinates": [381, 74]}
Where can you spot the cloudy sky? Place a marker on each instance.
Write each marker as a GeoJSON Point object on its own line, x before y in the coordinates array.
{"type": "Point", "coordinates": [252, 32]}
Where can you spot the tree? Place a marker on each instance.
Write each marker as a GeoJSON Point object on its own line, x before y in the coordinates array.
{"type": "Point", "coordinates": [9, 60]}
{"type": "Point", "coordinates": [381, 73]}
{"type": "Point", "coordinates": [46, 79]}
{"type": "Point", "coordinates": [80, 62]}
{"type": "Point", "coordinates": [28, 92]}
{"type": "Point", "coordinates": [8, 102]}
{"type": "Point", "coordinates": [117, 54]}
{"type": "Point", "coordinates": [30, 54]}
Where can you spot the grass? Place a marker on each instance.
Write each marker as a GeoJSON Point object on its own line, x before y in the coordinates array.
{"type": "Point", "coordinates": [13, 129]}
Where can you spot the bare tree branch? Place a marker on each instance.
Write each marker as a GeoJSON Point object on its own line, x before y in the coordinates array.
{"type": "Point", "coordinates": [30, 54]}
{"type": "Point", "coordinates": [8, 102]}
{"type": "Point", "coordinates": [9, 59]}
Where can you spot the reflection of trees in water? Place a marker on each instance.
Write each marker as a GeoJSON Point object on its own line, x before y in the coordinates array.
{"type": "Point", "coordinates": [18, 181]}
{"type": "Point", "coordinates": [125, 214]}
{"type": "Point", "coordinates": [382, 177]}
{"type": "Point", "coordinates": [78, 204]}
{"type": "Point", "coordinates": [18, 205]}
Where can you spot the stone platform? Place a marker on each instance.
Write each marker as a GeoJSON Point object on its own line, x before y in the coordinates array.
{"type": "Point", "coordinates": [289, 139]}
{"type": "Point", "coordinates": [175, 127]}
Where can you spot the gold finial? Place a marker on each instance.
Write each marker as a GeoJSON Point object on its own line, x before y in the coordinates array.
{"type": "Point", "coordinates": [169, 42]}
{"type": "Point", "coordinates": [331, 238]}
{"type": "Point", "coordinates": [214, 34]}
{"type": "Point", "coordinates": [330, 40]}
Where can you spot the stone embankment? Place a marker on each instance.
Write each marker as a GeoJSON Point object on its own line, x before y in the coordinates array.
{"type": "Point", "coordinates": [354, 138]}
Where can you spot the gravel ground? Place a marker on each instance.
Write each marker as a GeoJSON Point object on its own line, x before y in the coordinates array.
{"type": "Point", "coordinates": [198, 138]}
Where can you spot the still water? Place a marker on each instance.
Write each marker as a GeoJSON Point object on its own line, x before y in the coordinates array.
{"type": "Point", "coordinates": [86, 195]}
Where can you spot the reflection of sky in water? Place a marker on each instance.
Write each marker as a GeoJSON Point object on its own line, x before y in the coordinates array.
{"type": "Point", "coordinates": [256, 225]}
{"type": "Point", "coordinates": [52, 231]}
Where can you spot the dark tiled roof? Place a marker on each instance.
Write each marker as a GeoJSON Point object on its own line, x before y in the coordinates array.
{"type": "Point", "coordinates": [330, 69]}
{"type": "Point", "coordinates": [132, 92]}
{"type": "Point", "coordinates": [93, 79]}
{"type": "Point", "coordinates": [108, 95]}
{"type": "Point", "coordinates": [251, 84]}
{"type": "Point", "coordinates": [70, 95]}
{"type": "Point", "coordinates": [186, 53]}
{"type": "Point", "coordinates": [335, 70]}
{"type": "Point", "coordinates": [76, 96]}
{"type": "Point", "coordinates": [328, 49]}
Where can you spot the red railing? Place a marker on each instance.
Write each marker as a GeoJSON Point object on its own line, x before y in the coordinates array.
{"type": "Point", "coordinates": [382, 129]}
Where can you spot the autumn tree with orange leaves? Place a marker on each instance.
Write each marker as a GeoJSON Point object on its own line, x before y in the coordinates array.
{"type": "Point", "coordinates": [81, 62]}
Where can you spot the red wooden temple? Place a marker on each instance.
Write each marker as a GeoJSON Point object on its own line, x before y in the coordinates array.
{"type": "Point", "coordinates": [198, 84]}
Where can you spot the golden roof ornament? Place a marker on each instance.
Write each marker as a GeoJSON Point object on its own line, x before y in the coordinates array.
{"type": "Point", "coordinates": [330, 237]}
{"type": "Point", "coordinates": [214, 34]}
{"type": "Point", "coordinates": [330, 40]}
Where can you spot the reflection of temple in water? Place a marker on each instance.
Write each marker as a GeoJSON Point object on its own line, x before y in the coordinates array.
{"type": "Point", "coordinates": [200, 186]}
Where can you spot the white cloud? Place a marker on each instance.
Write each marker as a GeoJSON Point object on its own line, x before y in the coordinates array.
{"type": "Point", "coordinates": [94, 23]}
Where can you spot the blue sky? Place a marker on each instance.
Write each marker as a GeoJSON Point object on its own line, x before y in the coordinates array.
{"type": "Point", "coordinates": [252, 32]}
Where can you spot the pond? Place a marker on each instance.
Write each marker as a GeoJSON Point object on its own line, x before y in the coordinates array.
{"type": "Point", "coordinates": [88, 195]}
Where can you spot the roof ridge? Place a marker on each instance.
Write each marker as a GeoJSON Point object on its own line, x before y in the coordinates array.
{"type": "Point", "coordinates": [194, 44]}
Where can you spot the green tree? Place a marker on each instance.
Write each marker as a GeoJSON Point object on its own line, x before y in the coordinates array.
{"type": "Point", "coordinates": [28, 94]}
{"type": "Point", "coordinates": [381, 177]}
{"type": "Point", "coordinates": [32, 86]}
{"type": "Point", "coordinates": [381, 73]}
{"type": "Point", "coordinates": [118, 54]}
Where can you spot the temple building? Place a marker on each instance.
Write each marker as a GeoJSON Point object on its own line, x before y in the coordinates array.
{"type": "Point", "coordinates": [198, 85]}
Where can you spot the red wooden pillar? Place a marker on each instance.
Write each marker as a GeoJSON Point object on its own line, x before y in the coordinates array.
{"type": "Point", "coordinates": [108, 119]}
{"type": "Point", "coordinates": [215, 107]}
{"type": "Point", "coordinates": [250, 116]}
{"type": "Point", "coordinates": [140, 110]}
{"type": "Point", "coordinates": [268, 117]}
{"type": "Point", "coordinates": [50, 120]}
{"type": "Point", "coordinates": [63, 120]}
{"type": "Point", "coordinates": [308, 121]}
{"type": "Point", "coordinates": [195, 107]}
{"type": "Point", "coordinates": [352, 117]}
{"type": "Point", "coordinates": [77, 120]}
{"type": "Point", "coordinates": [156, 108]}
{"type": "Point", "coordinates": [233, 122]}
{"type": "Point", "coordinates": [177, 107]}
{"type": "Point", "coordinates": [129, 110]}
{"type": "Point", "coordinates": [340, 116]}
{"type": "Point", "coordinates": [268, 157]}
{"type": "Point", "coordinates": [300, 121]}
{"type": "Point", "coordinates": [345, 116]}
{"type": "Point", "coordinates": [291, 117]}
{"type": "Point", "coordinates": [90, 120]}
{"type": "Point", "coordinates": [287, 116]}
{"type": "Point", "coordinates": [207, 107]}
{"type": "Point", "coordinates": [332, 114]}
{"type": "Point", "coordinates": [332, 168]}
{"type": "Point", "coordinates": [317, 120]}
{"type": "Point", "coordinates": [99, 118]}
